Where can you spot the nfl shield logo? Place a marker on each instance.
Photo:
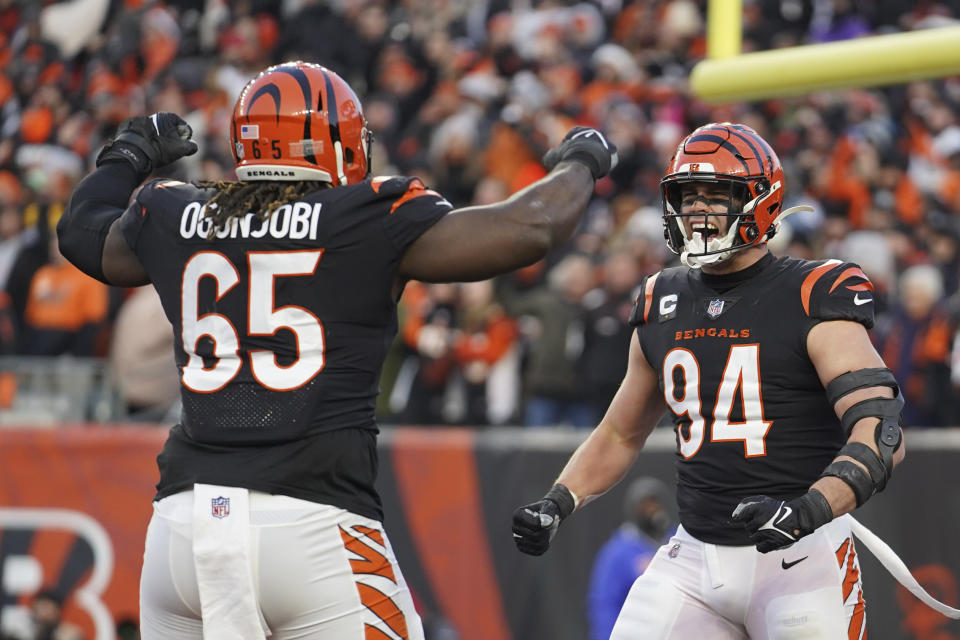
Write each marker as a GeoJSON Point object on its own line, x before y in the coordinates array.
{"type": "Point", "coordinates": [220, 507]}
{"type": "Point", "coordinates": [715, 308]}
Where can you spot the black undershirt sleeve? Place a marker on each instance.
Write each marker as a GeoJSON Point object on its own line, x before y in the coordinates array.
{"type": "Point", "coordinates": [96, 203]}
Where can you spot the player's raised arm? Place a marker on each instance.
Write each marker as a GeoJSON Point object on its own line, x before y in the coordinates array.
{"type": "Point", "coordinates": [475, 243]}
{"type": "Point", "coordinates": [86, 232]}
{"type": "Point", "coordinates": [603, 458]}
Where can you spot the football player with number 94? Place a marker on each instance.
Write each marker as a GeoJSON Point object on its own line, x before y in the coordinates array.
{"type": "Point", "coordinates": [282, 292]}
{"type": "Point", "coordinates": [786, 417]}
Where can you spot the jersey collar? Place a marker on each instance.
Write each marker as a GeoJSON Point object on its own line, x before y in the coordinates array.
{"type": "Point", "coordinates": [729, 280]}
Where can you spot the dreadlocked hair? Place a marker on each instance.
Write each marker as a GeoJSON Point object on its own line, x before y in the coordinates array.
{"type": "Point", "coordinates": [262, 198]}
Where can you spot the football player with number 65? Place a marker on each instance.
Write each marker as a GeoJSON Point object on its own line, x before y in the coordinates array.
{"type": "Point", "coordinates": [282, 291]}
{"type": "Point", "coordinates": [786, 417]}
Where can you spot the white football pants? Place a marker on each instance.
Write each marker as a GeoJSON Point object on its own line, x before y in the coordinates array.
{"type": "Point", "coordinates": [692, 589]}
{"type": "Point", "coordinates": [232, 564]}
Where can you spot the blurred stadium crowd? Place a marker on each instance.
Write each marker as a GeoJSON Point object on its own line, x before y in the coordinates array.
{"type": "Point", "coordinates": [468, 96]}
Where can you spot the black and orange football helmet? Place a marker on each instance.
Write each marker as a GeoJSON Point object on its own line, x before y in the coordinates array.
{"type": "Point", "coordinates": [736, 156]}
{"type": "Point", "coordinates": [300, 121]}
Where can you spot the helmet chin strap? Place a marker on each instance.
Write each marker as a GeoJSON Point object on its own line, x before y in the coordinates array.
{"type": "Point", "coordinates": [695, 262]}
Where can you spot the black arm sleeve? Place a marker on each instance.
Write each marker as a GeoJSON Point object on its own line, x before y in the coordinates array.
{"type": "Point", "coordinates": [96, 203]}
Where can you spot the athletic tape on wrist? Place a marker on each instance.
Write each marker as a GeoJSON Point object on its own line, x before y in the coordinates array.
{"type": "Point", "coordinates": [819, 509]}
{"type": "Point", "coordinates": [563, 498]}
{"type": "Point", "coordinates": [854, 476]}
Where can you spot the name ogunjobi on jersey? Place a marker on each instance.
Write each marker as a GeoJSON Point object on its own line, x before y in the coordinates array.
{"type": "Point", "coordinates": [296, 221]}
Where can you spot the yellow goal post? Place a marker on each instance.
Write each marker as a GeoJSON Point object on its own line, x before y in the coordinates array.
{"type": "Point", "coordinates": [729, 76]}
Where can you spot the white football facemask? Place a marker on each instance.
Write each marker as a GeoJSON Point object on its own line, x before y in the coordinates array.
{"type": "Point", "coordinates": [717, 248]}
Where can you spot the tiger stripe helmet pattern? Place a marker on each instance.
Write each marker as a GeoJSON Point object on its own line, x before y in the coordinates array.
{"type": "Point", "coordinates": [731, 154]}
{"type": "Point", "coordinates": [300, 121]}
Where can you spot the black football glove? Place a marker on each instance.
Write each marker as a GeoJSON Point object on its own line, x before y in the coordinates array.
{"type": "Point", "coordinates": [587, 146]}
{"type": "Point", "coordinates": [534, 525]}
{"type": "Point", "coordinates": [777, 524]}
{"type": "Point", "coordinates": [149, 142]}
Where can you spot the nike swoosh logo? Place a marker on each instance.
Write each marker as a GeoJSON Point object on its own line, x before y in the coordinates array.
{"type": "Point", "coordinates": [858, 301]}
{"type": "Point", "coordinates": [592, 132]}
{"type": "Point", "coordinates": [776, 519]}
{"type": "Point", "coordinates": [786, 514]}
{"type": "Point", "coordinates": [787, 565]}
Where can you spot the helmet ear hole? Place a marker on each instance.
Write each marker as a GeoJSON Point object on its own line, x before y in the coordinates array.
{"type": "Point", "coordinates": [348, 155]}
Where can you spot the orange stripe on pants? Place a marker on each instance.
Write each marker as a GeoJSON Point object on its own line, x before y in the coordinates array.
{"type": "Point", "coordinates": [373, 562]}
{"type": "Point", "coordinates": [384, 608]}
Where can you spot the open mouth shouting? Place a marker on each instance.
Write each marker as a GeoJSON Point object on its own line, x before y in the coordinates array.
{"type": "Point", "coordinates": [705, 229]}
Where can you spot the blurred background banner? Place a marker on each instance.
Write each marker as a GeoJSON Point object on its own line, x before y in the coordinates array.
{"type": "Point", "coordinates": [448, 496]}
{"type": "Point", "coordinates": [58, 478]}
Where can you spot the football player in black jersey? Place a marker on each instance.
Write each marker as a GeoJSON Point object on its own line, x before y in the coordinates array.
{"type": "Point", "coordinates": [786, 418]}
{"type": "Point", "coordinates": [282, 291]}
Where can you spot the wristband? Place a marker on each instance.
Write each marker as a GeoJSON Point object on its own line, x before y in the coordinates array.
{"type": "Point", "coordinates": [563, 498]}
{"type": "Point", "coordinates": [817, 513]}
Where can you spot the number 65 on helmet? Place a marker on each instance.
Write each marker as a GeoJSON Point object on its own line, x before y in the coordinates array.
{"type": "Point", "coordinates": [300, 121]}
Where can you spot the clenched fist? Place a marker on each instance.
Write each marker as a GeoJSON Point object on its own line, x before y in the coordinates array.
{"type": "Point", "coordinates": [776, 524]}
{"type": "Point", "coordinates": [587, 146]}
{"type": "Point", "coordinates": [535, 524]}
{"type": "Point", "coordinates": [150, 142]}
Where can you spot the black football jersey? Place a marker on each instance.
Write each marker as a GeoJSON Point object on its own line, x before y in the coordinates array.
{"type": "Point", "coordinates": [281, 327]}
{"type": "Point", "coordinates": [730, 351]}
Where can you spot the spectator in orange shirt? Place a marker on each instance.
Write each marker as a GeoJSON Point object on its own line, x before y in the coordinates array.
{"type": "Point", "coordinates": [65, 309]}
{"type": "Point", "coordinates": [484, 351]}
{"type": "Point", "coordinates": [419, 394]}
